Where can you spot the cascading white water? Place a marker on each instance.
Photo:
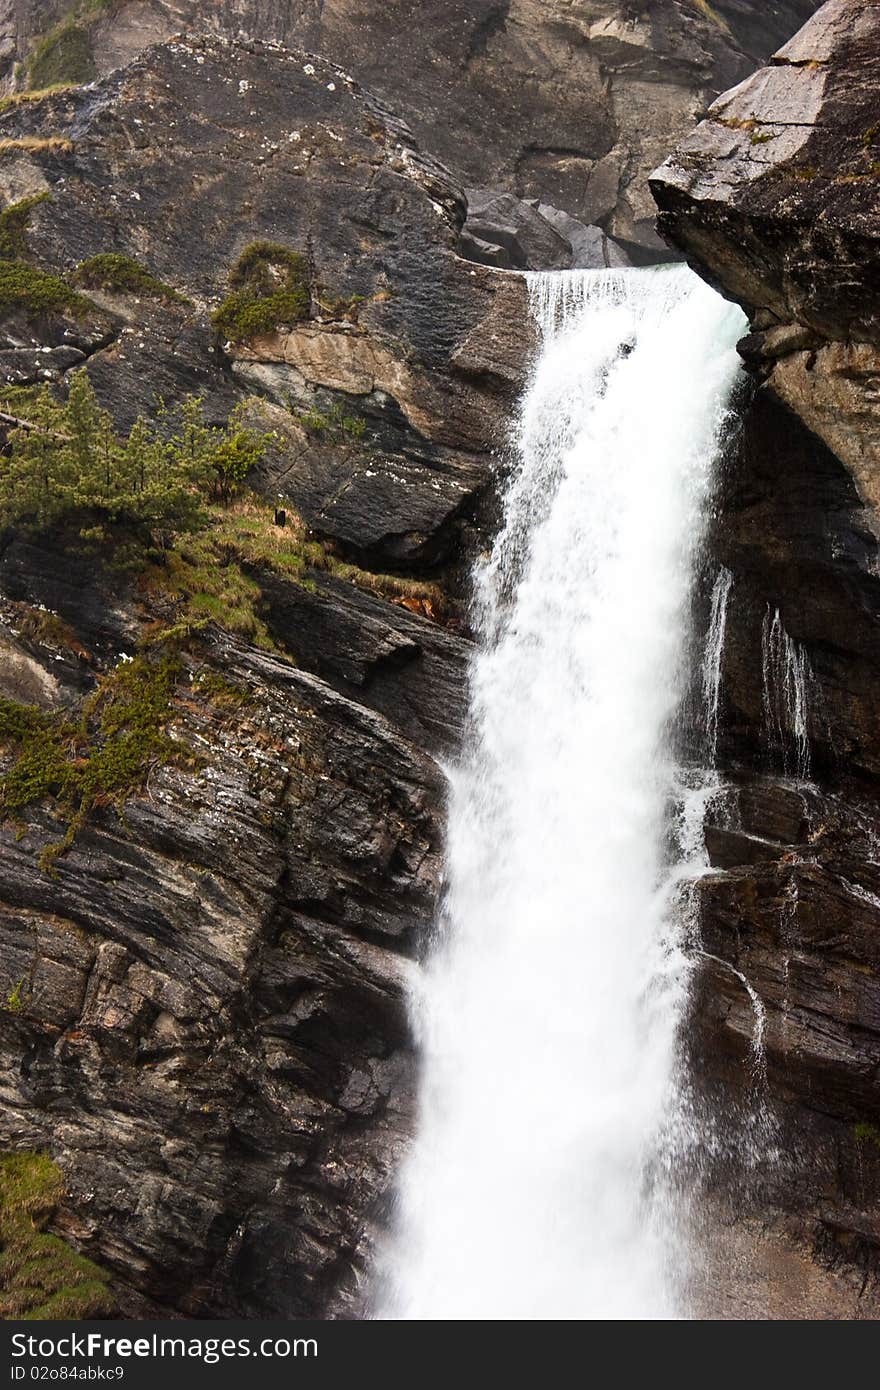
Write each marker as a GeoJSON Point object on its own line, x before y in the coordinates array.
{"type": "Point", "coordinates": [547, 1014]}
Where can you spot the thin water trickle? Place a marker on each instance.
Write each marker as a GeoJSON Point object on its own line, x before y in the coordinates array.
{"type": "Point", "coordinates": [787, 678]}
{"type": "Point", "coordinates": [547, 1016]}
{"type": "Point", "coordinates": [712, 656]}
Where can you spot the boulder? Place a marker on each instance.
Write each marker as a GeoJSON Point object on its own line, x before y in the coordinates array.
{"type": "Point", "coordinates": [528, 240]}
{"type": "Point", "coordinates": [591, 249]}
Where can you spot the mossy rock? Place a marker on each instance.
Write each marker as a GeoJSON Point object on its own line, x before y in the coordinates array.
{"type": "Point", "coordinates": [270, 287]}
{"type": "Point", "coordinates": [120, 274]}
{"type": "Point", "coordinates": [14, 221]}
{"type": "Point", "coordinates": [40, 1275]}
{"type": "Point", "coordinates": [64, 55]}
{"type": "Point", "coordinates": [104, 756]}
{"type": "Point", "coordinates": [32, 292]}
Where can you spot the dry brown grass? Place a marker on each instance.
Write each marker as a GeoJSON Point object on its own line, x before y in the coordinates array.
{"type": "Point", "coordinates": [15, 99]}
{"type": "Point", "coordinates": [34, 144]}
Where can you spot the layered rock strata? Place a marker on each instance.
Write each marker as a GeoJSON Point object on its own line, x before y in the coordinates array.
{"type": "Point", "coordinates": [774, 199]}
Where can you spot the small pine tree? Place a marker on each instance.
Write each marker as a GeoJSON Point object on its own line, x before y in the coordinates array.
{"type": "Point", "coordinates": [69, 464]}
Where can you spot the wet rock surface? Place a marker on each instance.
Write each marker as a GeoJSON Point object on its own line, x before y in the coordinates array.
{"type": "Point", "coordinates": [773, 199]}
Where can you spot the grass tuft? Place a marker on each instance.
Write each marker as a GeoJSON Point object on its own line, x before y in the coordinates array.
{"type": "Point", "coordinates": [36, 144]}
{"type": "Point", "coordinates": [14, 221]}
{"type": "Point", "coordinates": [16, 99]}
{"type": "Point", "coordinates": [40, 1275]}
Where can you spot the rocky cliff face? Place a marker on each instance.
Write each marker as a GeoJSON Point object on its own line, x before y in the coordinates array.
{"type": "Point", "coordinates": [203, 1014]}
{"type": "Point", "coordinates": [569, 104]}
{"type": "Point", "coordinates": [196, 150]}
{"type": "Point", "coordinates": [774, 198]}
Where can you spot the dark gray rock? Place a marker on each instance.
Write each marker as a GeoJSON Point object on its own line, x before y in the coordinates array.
{"type": "Point", "coordinates": [772, 199]}
{"type": "Point", "coordinates": [529, 240]}
{"type": "Point", "coordinates": [796, 917]}
{"type": "Point", "coordinates": [213, 1039]}
{"type": "Point", "coordinates": [254, 142]}
{"type": "Point", "coordinates": [45, 575]}
{"type": "Point", "coordinates": [775, 196]}
{"type": "Point", "coordinates": [514, 234]}
{"type": "Point", "coordinates": [572, 105]}
{"type": "Point", "coordinates": [410, 669]}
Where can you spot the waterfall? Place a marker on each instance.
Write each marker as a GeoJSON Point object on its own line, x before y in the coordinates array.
{"type": "Point", "coordinates": [547, 1012]}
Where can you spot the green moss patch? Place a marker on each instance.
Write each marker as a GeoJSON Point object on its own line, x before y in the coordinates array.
{"type": "Point", "coordinates": [64, 55]}
{"type": "Point", "coordinates": [121, 274]}
{"type": "Point", "coordinates": [15, 998]}
{"type": "Point", "coordinates": [14, 222]}
{"type": "Point", "coordinates": [867, 1135]}
{"type": "Point", "coordinates": [24, 289]}
{"type": "Point", "coordinates": [40, 1275]}
{"type": "Point", "coordinates": [270, 289]}
{"type": "Point", "coordinates": [101, 757]}
{"type": "Point", "coordinates": [204, 579]}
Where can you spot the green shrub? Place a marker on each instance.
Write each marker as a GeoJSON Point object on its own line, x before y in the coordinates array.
{"type": "Point", "coordinates": [270, 289]}
{"type": "Point", "coordinates": [14, 221]}
{"type": "Point", "coordinates": [334, 423]}
{"type": "Point", "coordinates": [40, 1275]}
{"type": "Point", "coordinates": [115, 272]}
{"type": "Point", "coordinates": [14, 1001]}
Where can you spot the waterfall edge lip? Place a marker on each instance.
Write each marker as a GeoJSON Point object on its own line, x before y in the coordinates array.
{"type": "Point", "coordinates": [547, 1017]}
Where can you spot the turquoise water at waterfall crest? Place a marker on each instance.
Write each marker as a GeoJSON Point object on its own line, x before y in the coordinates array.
{"type": "Point", "coordinates": [547, 1015]}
